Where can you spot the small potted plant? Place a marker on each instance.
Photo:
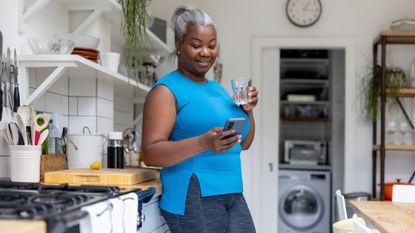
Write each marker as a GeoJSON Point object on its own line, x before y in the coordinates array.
{"type": "Point", "coordinates": [371, 87]}
{"type": "Point", "coordinates": [134, 31]}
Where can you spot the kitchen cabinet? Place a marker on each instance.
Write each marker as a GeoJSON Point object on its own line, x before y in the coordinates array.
{"type": "Point", "coordinates": [381, 42]}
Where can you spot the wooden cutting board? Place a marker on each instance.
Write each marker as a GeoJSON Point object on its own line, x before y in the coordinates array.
{"type": "Point", "coordinates": [108, 176]}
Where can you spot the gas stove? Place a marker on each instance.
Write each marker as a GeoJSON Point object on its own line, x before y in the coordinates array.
{"type": "Point", "coordinates": [59, 205]}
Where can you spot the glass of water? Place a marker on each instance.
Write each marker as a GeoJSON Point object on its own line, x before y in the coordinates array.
{"type": "Point", "coordinates": [240, 88]}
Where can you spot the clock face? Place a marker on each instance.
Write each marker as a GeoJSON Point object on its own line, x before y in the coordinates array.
{"type": "Point", "coordinates": [303, 13]}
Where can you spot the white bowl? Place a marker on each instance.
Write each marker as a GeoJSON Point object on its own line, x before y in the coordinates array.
{"type": "Point", "coordinates": [50, 46]}
{"type": "Point", "coordinates": [81, 41]}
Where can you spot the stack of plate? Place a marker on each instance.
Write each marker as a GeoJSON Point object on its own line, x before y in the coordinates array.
{"type": "Point", "coordinates": [88, 53]}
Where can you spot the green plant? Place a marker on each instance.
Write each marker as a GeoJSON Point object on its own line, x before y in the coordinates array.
{"type": "Point", "coordinates": [371, 85]}
{"type": "Point", "coordinates": [134, 31]}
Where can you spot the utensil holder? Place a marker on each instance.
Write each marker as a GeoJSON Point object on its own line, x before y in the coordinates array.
{"type": "Point", "coordinates": [25, 163]}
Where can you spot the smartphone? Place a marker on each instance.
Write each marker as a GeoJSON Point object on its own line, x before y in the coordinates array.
{"type": "Point", "coordinates": [237, 124]}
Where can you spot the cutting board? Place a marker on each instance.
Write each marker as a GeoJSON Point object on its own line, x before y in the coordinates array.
{"type": "Point", "coordinates": [129, 176]}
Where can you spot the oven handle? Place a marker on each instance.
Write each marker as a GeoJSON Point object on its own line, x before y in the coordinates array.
{"type": "Point", "coordinates": [145, 196]}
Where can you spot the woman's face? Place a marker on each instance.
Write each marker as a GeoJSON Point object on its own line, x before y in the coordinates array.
{"type": "Point", "coordinates": [198, 50]}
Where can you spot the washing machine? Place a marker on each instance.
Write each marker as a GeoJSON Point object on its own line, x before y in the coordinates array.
{"type": "Point", "coordinates": [304, 201]}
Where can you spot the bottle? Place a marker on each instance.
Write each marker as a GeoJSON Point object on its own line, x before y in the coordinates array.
{"type": "Point", "coordinates": [53, 144]}
{"type": "Point", "coordinates": [115, 150]}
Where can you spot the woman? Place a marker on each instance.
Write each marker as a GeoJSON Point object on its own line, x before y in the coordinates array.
{"type": "Point", "coordinates": [182, 132]}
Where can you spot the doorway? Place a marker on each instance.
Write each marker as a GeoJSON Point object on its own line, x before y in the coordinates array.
{"type": "Point", "coordinates": [266, 73]}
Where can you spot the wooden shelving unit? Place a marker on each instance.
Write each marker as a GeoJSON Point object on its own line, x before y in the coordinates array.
{"type": "Point", "coordinates": [381, 41]}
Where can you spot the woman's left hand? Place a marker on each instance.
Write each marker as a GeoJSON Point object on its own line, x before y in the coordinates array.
{"type": "Point", "coordinates": [252, 99]}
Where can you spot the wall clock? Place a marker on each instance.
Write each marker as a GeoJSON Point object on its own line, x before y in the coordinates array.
{"type": "Point", "coordinates": [303, 13]}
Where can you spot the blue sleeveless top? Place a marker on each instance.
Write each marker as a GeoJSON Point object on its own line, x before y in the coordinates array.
{"type": "Point", "coordinates": [201, 107]}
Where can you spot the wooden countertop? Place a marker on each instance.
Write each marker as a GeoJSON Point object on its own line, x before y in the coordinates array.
{"type": "Point", "coordinates": [156, 183]}
{"type": "Point", "coordinates": [386, 216]}
{"type": "Point", "coordinates": [22, 226]}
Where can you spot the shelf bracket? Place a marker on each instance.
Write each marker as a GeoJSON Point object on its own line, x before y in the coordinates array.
{"type": "Point", "coordinates": [49, 81]}
{"type": "Point", "coordinates": [89, 21]}
{"type": "Point", "coordinates": [32, 10]}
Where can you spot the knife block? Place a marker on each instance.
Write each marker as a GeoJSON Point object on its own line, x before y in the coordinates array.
{"type": "Point", "coordinates": [54, 162]}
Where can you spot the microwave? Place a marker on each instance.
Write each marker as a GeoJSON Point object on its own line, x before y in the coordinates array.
{"type": "Point", "coordinates": [305, 152]}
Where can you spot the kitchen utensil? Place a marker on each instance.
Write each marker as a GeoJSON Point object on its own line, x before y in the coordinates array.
{"type": "Point", "coordinates": [16, 134]}
{"type": "Point", "coordinates": [16, 94]}
{"type": "Point", "coordinates": [105, 176]}
{"type": "Point", "coordinates": [26, 114]}
{"type": "Point", "coordinates": [22, 127]}
{"type": "Point", "coordinates": [6, 136]}
{"type": "Point", "coordinates": [43, 137]}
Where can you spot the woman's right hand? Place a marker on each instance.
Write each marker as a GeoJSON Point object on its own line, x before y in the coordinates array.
{"type": "Point", "coordinates": [214, 140]}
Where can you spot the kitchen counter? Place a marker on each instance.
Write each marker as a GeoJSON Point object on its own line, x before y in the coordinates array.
{"type": "Point", "coordinates": [22, 226]}
{"type": "Point", "coordinates": [156, 183]}
{"type": "Point", "coordinates": [386, 216]}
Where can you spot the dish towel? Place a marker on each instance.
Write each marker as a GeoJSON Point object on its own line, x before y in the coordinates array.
{"type": "Point", "coordinates": [117, 215]}
{"type": "Point", "coordinates": [99, 218]}
{"type": "Point", "coordinates": [130, 203]}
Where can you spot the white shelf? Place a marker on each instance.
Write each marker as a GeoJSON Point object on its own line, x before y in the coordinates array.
{"type": "Point", "coordinates": [65, 61]}
{"type": "Point", "coordinates": [110, 9]}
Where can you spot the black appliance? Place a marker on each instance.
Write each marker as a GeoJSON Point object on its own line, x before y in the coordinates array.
{"type": "Point", "coordinates": [58, 205]}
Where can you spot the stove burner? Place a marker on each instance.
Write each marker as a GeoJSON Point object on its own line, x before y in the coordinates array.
{"type": "Point", "coordinates": [29, 204]}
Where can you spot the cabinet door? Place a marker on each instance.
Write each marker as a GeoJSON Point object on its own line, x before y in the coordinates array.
{"type": "Point", "coordinates": [152, 218]}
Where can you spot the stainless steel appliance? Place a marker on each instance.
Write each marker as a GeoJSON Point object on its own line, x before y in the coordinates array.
{"type": "Point", "coordinates": [59, 205]}
{"type": "Point", "coordinates": [305, 152]}
{"type": "Point", "coordinates": [304, 201]}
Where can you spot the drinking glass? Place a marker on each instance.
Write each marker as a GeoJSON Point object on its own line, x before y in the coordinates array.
{"type": "Point", "coordinates": [391, 129]}
{"type": "Point", "coordinates": [404, 131]}
{"type": "Point", "coordinates": [240, 88]}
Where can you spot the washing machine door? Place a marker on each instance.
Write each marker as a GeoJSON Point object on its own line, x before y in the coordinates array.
{"type": "Point", "coordinates": [301, 207]}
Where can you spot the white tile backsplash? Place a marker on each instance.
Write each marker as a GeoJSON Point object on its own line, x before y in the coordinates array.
{"type": "Point", "coordinates": [105, 108]}
{"type": "Point", "coordinates": [123, 118]}
{"type": "Point", "coordinates": [87, 106]}
{"type": "Point", "coordinates": [123, 104]}
{"type": "Point", "coordinates": [65, 105]}
{"type": "Point", "coordinates": [54, 103]}
{"type": "Point", "coordinates": [61, 86]}
{"type": "Point", "coordinates": [40, 103]}
{"type": "Point", "coordinates": [105, 89]}
{"type": "Point", "coordinates": [105, 125]}
{"type": "Point", "coordinates": [82, 87]}
{"type": "Point", "coordinates": [73, 106]}
{"type": "Point", "coordinates": [77, 123]}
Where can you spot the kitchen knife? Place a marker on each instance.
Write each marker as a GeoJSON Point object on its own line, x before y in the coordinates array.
{"type": "Point", "coordinates": [1, 75]}
{"type": "Point", "coordinates": [16, 95]}
{"type": "Point", "coordinates": [9, 81]}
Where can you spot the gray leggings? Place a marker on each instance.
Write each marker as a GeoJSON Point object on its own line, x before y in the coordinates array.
{"type": "Point", "coordinates": [216, 214]}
